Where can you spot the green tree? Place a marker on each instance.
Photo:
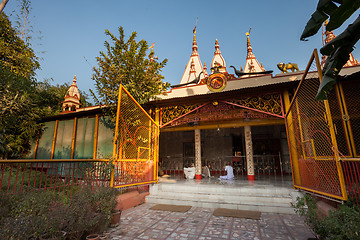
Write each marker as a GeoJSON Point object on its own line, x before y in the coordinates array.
{"type": "Point", "coordinates": [15, 53]}
{"type": "Point", "coordinates": [338, 49]}
{"type": "Point", "coordinates": [53, 95]}
{"type": "Point", "coordinates": [126, 62]}
{"type": "Point", "coordinates": [23, 100]}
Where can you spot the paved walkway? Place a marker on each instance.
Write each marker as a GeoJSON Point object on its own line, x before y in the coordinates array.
{"type": "Point", "coordinates": [199, 223]}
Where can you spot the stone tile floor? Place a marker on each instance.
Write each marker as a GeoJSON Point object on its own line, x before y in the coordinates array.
{"type": "Point", "coordinates": [199, 223]}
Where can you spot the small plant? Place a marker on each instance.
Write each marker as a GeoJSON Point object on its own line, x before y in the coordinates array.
{"type": "Point", "coordinates": [342, 223]}
{"type": "Point", "coordinates": [51, 215]}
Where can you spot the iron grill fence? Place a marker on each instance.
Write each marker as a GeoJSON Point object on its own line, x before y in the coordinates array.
{"type": "Point", "coordinates": [323, 136]}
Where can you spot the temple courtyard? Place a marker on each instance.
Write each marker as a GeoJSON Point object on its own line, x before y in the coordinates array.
{"type": "Point", "coordinates": [199, 223]}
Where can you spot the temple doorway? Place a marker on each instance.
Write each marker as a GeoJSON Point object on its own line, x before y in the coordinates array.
{"type": "Point", "coordinates": [220, 145]}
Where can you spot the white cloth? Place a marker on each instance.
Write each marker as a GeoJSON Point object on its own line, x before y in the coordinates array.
{"type": "Point", "coordinates": [229, 173]}
{"type": "Point", "coordinates": [189, 172]}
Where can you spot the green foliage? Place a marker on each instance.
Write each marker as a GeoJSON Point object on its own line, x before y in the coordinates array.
{"type": "Point", "coordinates": [22, 104]}
{"type": "Point", "coordinates": [342, 223]}
{"type": "Point", "coordinates": [15, 53]}
{"type": "Point", "coordinates": [126, 62]}
{"type": "Point", "coordinates": [49, 215]}
{"type": "Point", "coordinates": [338, 49]}
{"type": "Point", "coordinates": [23, 100]}
{"type": "Point", "coordinates": [53, 95]}
{"type": "Point", "coordinates": [18, 113]}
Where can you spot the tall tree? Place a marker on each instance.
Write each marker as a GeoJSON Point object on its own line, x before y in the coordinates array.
{"type": "Point", "coordinates": [23, 100]}
{"type": "Point", "coordinates": [126, 62]}
{"type": "Point", "coordinates": [15, 53]}
{"type": "Point", "coordinates": [23, 21]}
{"type": "Point", "coordinates": [338, 49]}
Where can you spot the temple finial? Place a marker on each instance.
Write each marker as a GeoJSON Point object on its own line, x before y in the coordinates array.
{"type": "Point", "coordinates": [251, 64]}
{"type": "Point", "coordinates": [194, 30]}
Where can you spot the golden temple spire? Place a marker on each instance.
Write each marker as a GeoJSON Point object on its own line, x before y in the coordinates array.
{"type": "Point", "coordinates": [194, 30]}
{"type": "Point", "coordinates": [249, 48]}
{"type": "Point", "coordinates": [194, 47]}
{"type": "Point", "coordinates": [194, 66]}
{"type": "Point", "coordinates": [251, 64]}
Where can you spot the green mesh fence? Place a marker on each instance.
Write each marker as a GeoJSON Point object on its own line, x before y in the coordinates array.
{"type": "Point", "coordinates": [84, 140]}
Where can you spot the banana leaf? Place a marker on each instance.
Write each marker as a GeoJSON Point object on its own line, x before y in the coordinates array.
{"type": "Point", "coordinates": [338, 51]}
{"type": "Point", "coordinates": [342, 13]}
{"type": "Point", "coordinates": [323, 10]}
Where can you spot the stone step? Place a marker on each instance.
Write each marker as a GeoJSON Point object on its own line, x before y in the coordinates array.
{"type": "Point", "coordinates": [257, 198]}
{"type": "Point", "coordinates": [284, 209]}
{"type": "Point", "coordinates": [261, 191]}
{"type": "Point", "coordinates": [255, 202]}
{"type": "Point", "coordinates": [221, 197]}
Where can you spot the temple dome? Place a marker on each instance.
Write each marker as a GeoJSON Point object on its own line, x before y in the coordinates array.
{"type": "Point", "coordinates": [72, 98]}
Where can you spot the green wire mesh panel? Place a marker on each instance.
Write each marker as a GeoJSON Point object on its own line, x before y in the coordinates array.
{"type": "Point", "coordinates": [105, 138]}
{"type": "Point", "coordinates": [64, 139]}
{"type": "Point", "coordinates": [351, 93]}
{"type": "Point", "coordinates": [84, 140]}
{"type": "Point", "coordinates": [46, 141]}
{"type": "Point", "coordinates": [137, 144]}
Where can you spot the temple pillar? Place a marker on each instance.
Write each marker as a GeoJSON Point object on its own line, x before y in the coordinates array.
{"type": "Point", "coordinates": [249, 154]}
{"type": "Point", "coordinates": [197, 154]}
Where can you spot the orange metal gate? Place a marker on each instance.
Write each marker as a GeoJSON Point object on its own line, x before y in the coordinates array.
{"type": "Point", "coordinates": [312, 140]}
{"type": "Point", "coordinates": [136, 144]}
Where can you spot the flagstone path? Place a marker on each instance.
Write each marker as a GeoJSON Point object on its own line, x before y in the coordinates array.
{"type": "Point", "coordinates": [199, 223]}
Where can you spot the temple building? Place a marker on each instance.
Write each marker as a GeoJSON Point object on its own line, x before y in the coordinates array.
{"type": "Point", "coordinates": [217, 117]}
{"type": "Point", "coordinates": [72, 98]}
{"type": "Point", "coordinates": [213, 116]}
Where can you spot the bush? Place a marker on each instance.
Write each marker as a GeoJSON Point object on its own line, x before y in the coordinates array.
{"type": "Point", "coordinates": [50, 215]}
{"type": "Point", "coordinates": [342, 223]}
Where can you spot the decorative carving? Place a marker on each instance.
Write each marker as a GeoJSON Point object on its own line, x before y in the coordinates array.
{"type": "Point", "coordinates": [173, 112]}
{"type": "Point", "coordinates": [268, 103]}
{"type": "Point", "coordinates": [216, 82]}
{"type": "Point", "coordinates": [215, 111]}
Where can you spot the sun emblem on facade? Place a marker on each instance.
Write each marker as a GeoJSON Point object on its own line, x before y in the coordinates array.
{"type": "Point", "coordinates": [216, 82]}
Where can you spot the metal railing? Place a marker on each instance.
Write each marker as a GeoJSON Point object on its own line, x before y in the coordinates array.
{"type": "Point", "coordinates": [265, 164]}
{"type": "Point", "coordinates": [351, 170]}
{"type": "Point", "coordinates": [67, 176]}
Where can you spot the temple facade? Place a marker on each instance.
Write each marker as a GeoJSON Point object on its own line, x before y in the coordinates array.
{"type": "Point", "coordinates": [221, 116]}
{"type": "Point", "coordinates": [227, 115]}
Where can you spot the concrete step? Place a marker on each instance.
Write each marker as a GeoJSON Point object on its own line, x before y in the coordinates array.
{"type": "Point", "coordinates": [257, 198]}
{"type": "Point", "coordinates": [261, 191]}
{"type": "Point", "coordinates": [285, 209]}
{"type": "Point", "coordinates": [221, 197]}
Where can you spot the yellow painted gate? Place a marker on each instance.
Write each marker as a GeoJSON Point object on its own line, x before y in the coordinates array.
{"type": "Point", "coordinates": [136, 144]}
{"type": "Point", "coordinates": [316, 161]}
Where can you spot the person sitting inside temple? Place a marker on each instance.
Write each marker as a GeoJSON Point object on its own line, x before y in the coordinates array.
{"type": "Point", "coordinates": [189, 172]}
{"type": "Point", "coordinates": [229, 172]}
{"type": "Point", "coordinates": [205, 172]}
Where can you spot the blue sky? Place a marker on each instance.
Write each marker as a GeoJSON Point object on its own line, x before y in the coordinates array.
{"type": "Point", "coordinates": [73, 32]}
